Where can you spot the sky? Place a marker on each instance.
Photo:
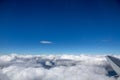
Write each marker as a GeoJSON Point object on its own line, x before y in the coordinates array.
{"type": "Point", "coordinates": [60, 26]}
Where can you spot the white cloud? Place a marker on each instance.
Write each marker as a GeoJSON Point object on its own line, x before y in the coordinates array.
{"type": "Point", "coordinates": [106, 40]}
{"type": "Point", "coordinates": [53, 67]}
{"type": "Point", "coordinates": [46, 42]}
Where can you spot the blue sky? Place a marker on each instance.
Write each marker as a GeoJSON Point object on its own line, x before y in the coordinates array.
{"type": "Point", "coordinates": [60, 26]}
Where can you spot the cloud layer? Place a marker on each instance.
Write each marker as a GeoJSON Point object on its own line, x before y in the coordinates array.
{"type": "Point", "coordinates": [60, 67]}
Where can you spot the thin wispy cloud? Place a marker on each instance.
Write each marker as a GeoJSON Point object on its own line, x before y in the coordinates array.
{"type": "Point", "coordinates": [106, 40]}
{"type": "Point", "coordinates": [46, 42]}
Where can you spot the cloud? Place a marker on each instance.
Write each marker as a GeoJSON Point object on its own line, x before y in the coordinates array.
{"type": "Point", "coordinates": [53, 67]}
{"type": "Point", "coordinates": [106, 40]}
{"type": "Point", "coordinates": [46, 42]}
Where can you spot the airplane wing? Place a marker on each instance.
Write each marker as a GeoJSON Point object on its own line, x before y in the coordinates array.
{"type": "Point", "coordinates": [115, 63]}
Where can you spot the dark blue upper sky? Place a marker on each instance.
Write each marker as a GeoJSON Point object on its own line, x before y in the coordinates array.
{"type": "Point", "coordinates": [71, 26]}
